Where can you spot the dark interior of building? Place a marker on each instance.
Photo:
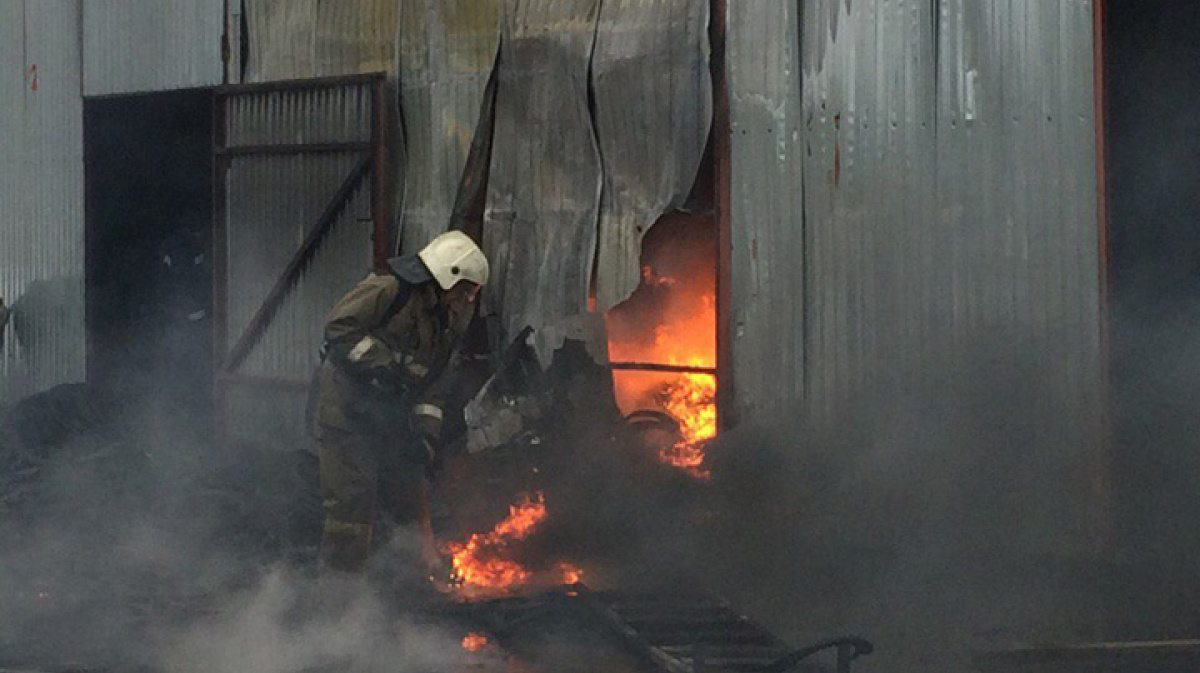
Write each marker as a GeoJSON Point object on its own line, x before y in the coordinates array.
{"type": "Point", "coordinates": [149, 224]}
{"type": "Point", "coordinates": [1152, 48]}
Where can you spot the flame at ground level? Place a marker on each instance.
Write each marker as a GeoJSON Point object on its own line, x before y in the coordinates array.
{"type": "Point", "coordinates": [473, 642]}
{"type": "Point", "coordinates": [691, 400]}
{"type": "Point", "coordinates": [482, 563]}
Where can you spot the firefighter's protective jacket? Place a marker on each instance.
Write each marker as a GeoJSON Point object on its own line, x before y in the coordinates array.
{"type": "Point", "coordinates": [389, 347]}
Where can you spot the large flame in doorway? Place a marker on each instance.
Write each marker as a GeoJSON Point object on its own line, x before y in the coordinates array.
{"type": "Point", "coordinates": [670, 321]}
{"type": "Point", "coordinates": [483, 564]}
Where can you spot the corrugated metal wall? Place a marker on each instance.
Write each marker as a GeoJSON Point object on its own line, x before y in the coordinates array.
{"type": "Point", "coordinates": [544, 189]}
{"type": "Point", "coordinates": [869, 180]}
{"type": "Point", "coordinates": [273, 200]}
{"type": "Point", "coordinates": [767, 223]}
{"type": "Point", "coordinates": [653, 110]}
{"type": "Point", "coordinates": [948, 159]}
{"type": "Point", "coordinates": [447, 51]}
{"type": "Point", "coordinates": [1017, 221]}
{"type": "Point", "coordinates": [151, 45]}
{"type": "Point", "coordinates": [946, 251]}
{"type": "Point", "coordinates": [300, 39]}
{"type": "Point", "coordinates": [41, 194]}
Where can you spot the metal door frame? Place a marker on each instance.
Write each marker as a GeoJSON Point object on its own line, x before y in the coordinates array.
{"type": "Point", "coordinates": [372, 166]}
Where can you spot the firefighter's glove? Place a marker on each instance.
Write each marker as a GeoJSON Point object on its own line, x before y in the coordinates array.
{"type": "Point", "coordinates": [427, 425]}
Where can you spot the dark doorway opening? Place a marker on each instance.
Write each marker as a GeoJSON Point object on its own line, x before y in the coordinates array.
{"type": "Point", "coordinates": [1152, 83]}
{"type": "Point", "coordinates": [148, 181]}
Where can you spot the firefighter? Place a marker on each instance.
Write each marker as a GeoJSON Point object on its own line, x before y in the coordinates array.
{"type": "Point", "coordinates": [380, 388]}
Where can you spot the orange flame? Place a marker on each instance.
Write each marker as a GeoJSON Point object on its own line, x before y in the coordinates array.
{"type": "Point", "coordinates": [691, 400]}
{"type": "Point", "coordinates": [473, 642]}
{"type": "Point", "coordinates": [683, 334]}
{"type": "Point", "coordinates": [479, 565]}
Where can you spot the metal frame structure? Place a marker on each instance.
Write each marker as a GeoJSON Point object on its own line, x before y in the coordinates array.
{"type": "Point", "coordinates": [371, 166]}
{"type": "Point", "coordinates": [1103, 478]}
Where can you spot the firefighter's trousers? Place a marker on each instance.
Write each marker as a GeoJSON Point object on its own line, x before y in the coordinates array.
{"type": "Point", "coordinates": [364, 476]}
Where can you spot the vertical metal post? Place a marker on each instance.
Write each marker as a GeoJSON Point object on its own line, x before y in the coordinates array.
{"type": "Point", "coordinates": [220, 255]}
{"type": "Point", "coordinates": [379, 201]}
{"type": "Point", "coordinates": [1102, 477]}
{"type": "Point", "coordinates": [721, 186]}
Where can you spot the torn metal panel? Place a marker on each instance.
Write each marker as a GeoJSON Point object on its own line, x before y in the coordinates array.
{"type": "Point", "coordinates": [447, 51]}
{"type": "Point", "coordinates": [766, 201]}
{"type": "Point", "coordinates": [872, 267]}
{"type": "Point", "coordinates": [653, 110]}
{"type": "Point", "coordinates": [300, 39]}
{"type": "Point", "coordinates": [544, 188]}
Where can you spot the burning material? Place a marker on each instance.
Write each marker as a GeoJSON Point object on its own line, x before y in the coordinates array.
{"type": "Point", "coordinates": [483, 564]}
{"type": "Point", "coordinates": [691, 400]}
{"type": "Point", "coordinates": [670, 321]}
{"type": "Point", "coordinates": [473, 642]}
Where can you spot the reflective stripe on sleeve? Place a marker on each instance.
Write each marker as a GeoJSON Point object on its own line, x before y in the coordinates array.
{"type": "Point", "coordinates": [427, 410]}
{"type": "Point", "coordinates": [361, 349]}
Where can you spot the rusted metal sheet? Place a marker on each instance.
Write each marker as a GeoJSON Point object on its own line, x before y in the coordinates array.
{"type": "Point", "coordinates": [653, 109]}
{"type": "Point", "coordinates": [41, 196]}
{"type": "Point", "coordinates": [766, 231]}
{"type": "Point", "coordinates": [300, 39]}
{"type": "Point", "coordinates": [151, 45]}
{"type": "Point", "coordinates": [446, 54]}
{"type": "Point", "coordinates": [544, 190]}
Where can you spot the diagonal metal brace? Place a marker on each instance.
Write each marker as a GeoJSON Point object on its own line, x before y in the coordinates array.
{"type": "Point", "coordinates": [312, 241]}
{"type": "Point", "coordinates": [849, 648]}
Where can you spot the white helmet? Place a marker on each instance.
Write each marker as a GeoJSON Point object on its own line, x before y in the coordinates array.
{"type": "Point", "coordinates": [452, 257]}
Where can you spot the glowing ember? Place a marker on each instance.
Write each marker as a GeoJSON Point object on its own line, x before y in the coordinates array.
{"type": "Point", "coordinates": [473, 642]}
{"type": "Point", "coordinates": [479, 565]}
{"type": "Point", "coordinates": [691, 400]}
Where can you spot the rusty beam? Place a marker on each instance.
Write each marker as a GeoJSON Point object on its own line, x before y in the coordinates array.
{"type": "Point", "coordinates": [1101, 486]}
{"type": "Point", "coordinates": [297, 148]}
{"type": "Point", "coordinates": [721, 207]}
{"type": "Point", "coordinates": [658, 367]}
{"type": "Point", "coordinates": [379, 202]}
{"type": "Point", "coordinates": [220, 256]}
{"type": "Point", "coordinates": [300, 84]}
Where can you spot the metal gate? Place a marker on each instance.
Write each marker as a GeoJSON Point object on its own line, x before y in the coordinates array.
{"type": "Point", "coordinates": [299, 218]}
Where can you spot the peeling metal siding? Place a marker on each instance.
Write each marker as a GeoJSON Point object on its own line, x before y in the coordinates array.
{"type": "Point", "coordinates": [653, 110]}
{"type": "Point", "coordinates": [300, 39]}
{"type": "Point", "coordinates": [151, 45]}
{"type": "Point", "coordinates": [446, 54]}
{"type": "Point", "coordinates": [41, 195]}
{"type": "Point", "coordinates": [544, 191]}
{"type": "Point", "coordinates": [869, 179]}
{"type": "Point", "coordinates": [766, 152]}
